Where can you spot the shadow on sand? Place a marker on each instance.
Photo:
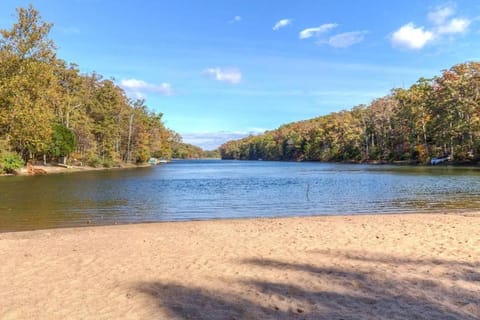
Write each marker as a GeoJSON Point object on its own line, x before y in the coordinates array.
{"type": "Point", "coordinates": [343, 292]}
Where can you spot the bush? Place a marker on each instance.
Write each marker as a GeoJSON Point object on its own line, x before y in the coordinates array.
{"type": "Point", "coordinates": [94, 161]}
{"type": "Point", "coordinates": [108, 163]}
{"type": "Point", "coordinates": [142, 156]}
{"type": "Point", "coordinates": [9, 161]}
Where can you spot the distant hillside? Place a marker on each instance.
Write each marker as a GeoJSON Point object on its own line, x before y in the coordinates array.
{"type": "Point", "coordinates": [434, 117]}
{"type": "Point", "coordinates": [181, 150]}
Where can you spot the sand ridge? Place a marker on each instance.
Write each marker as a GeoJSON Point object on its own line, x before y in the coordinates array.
{"type": "Point", "coordinates": [416, 266]}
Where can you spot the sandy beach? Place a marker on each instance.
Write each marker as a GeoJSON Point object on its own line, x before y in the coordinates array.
{"type": "Point", "coordinates": [56, 169]}
{"type": "Point", "coordinates": [343, 267]}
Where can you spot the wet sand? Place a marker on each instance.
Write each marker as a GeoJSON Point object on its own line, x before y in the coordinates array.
{"type": "Point", "coordinates": [414, 266]}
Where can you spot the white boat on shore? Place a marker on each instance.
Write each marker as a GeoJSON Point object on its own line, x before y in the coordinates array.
{"type": "Point", "coordinates": [438, 160]}
{"type": "Point", "coordinates": [155, 161]}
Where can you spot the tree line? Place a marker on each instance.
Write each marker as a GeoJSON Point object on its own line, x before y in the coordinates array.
{"type": "Point", "coordinates": [187, 151]}
{"type": "Point", "coordinates": [433, 118]}
{"type": "Point", "coordinates": [50, 111]}
{"type": "Point", "coordinates": [182, 150]}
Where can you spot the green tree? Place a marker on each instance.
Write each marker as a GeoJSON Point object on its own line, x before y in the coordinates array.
{"type": "Point", "coordinates": [28, 88]}
{"type": "Point", "coordinates": [63, 142]}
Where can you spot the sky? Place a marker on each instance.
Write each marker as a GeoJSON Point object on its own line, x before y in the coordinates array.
{"type": "Point", "coordinates": [224, 69]}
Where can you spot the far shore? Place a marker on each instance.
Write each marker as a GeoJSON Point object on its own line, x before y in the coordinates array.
{"type": "Point", "coordinates": [415, 266]}
{"type": "Point", "coordinates": [412, 163]}
{"type": "Point", "coordinates": [58, 169]}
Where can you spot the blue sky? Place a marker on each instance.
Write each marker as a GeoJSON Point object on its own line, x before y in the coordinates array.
{"type": "Point", "coordinates": [223, 69]}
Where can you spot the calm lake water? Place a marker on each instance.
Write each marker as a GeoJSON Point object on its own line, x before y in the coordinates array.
{"type": "Point", "coordinates": [191, 190]}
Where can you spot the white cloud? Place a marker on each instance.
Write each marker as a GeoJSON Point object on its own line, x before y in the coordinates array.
{"type": "Point", "coordinates": [443, 23]}
{"type": "Point", "coordinates": [412, 37]}
{"type": "Point", "coordinates": [439, 15]}
{"type": "Point", "coordinates": [282, 23]}
{"type": "Point", "coordinates": [213, 140]}
{"type": "Point", "coordinates": [456, 25]}
{"type": "Point", "coordinates": [232, 76]}
{"type": "Point", "coordinates": [139, 88]}
{"type": "Point", "coordinates": [235, 19]}
{"type": "Point", "coordinates": [346, 39]}
{"type": "Point", "coordinates": [310, 32]}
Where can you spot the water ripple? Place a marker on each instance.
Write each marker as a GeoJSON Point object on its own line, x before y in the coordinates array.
{"type": "Point", "coordinates": [191, 190]}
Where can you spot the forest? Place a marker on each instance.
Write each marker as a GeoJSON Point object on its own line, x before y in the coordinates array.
{"type": "Point", "coordinates": [438, 117]}
{"type": "Point", "coordinates": [51, 112]}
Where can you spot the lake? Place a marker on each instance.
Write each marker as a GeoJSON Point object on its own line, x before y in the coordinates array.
{"type": "Point", "coordinates": [211, 189]}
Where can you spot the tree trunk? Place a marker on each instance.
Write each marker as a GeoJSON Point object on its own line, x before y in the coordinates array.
{"type": "Point", "coordinates": [129, 137]}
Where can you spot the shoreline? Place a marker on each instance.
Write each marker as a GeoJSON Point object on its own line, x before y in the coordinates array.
{"type": "Point", "coordinates": [399, 163]}
{"type": "Point", "coordinates": [93, 224]}
{"type": "Point", "coordinates": [60, 169]}
{"type": "Point", "coordinates": [400, 266]}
